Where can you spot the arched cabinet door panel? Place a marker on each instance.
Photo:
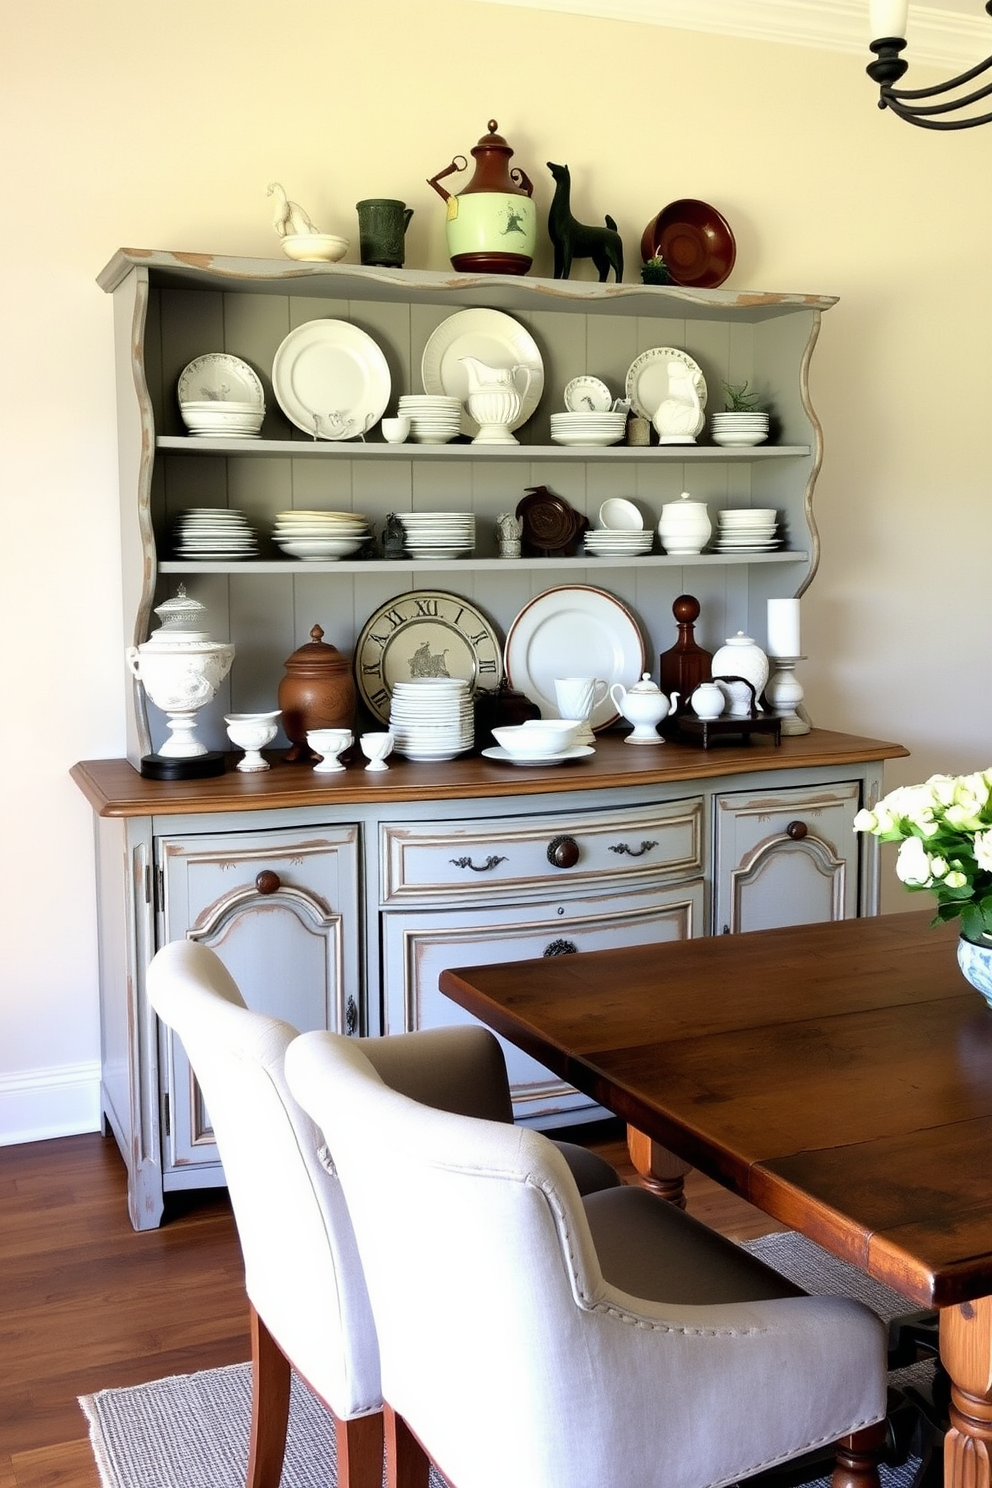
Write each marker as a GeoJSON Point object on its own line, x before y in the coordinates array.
{"type": "Point", "coordinates": [280, 908]}
{"type": "Point", "coordinates": [788, 857]}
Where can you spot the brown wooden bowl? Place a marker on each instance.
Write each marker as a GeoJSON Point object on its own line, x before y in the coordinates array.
{"type": "Point", "coordinates": [694, 240]}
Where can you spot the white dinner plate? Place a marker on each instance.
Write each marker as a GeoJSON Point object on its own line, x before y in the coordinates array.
{"type": "Point", "coordinates": [647, 379]}
{"type": "Point", "coordinates": [331, 379]}
{"type": "Point", "coordinates": [574, 631]}
{"type": "Point", "coordinates": [577, 751]}
{"type": "Point", "coordinates": [493, 338]}
{"type": "Point", "coordinates": [220, 378]}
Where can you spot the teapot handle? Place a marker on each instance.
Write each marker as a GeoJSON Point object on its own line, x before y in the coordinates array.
{"type": "Point", "coordinates": [448, 169]}
{"type": "Point", "coordinates": [520, 178]}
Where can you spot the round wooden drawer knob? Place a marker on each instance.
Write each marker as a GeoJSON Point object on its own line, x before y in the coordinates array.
{"type": "Point", "coordinates": [268, 882]}
{"type": "Point", "coordinates": [563, 852]}
{"type": "Point", "coordinates": [796, 830]}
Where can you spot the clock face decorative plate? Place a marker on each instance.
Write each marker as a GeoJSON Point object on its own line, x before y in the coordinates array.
{"type": "Point", "coordinates": [425, 633]}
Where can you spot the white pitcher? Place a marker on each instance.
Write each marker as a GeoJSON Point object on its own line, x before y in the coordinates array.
{"type": "Point", "coordinates": [495, 399]}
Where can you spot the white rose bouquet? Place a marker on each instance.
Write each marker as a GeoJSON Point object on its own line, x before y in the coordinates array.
{"type": "Point", "coordinates": [945, 828]}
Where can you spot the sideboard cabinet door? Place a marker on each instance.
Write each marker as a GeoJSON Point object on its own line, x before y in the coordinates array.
{"type": "Point", "coordinates": [419, 944]}
{"type": "Point", "coordinates": [280, 908]}
{"type": "Point", "coordinates": [785, 857]}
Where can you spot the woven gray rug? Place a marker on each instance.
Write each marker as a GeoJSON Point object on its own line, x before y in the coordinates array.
{"type": "Point", "coordinates": [191, 1430]}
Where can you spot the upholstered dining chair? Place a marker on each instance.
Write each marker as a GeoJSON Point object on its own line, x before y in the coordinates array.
{"type": "Point", "coordinates": [528, 1336]}
{"type": "Point", "coordinates": [309, 1306]}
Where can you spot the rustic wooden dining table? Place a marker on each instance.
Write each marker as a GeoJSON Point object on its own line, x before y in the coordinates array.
{"type": "Point", "coordinates": [839, 1076]}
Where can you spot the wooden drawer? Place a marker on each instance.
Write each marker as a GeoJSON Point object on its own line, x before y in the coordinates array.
{"type": "Point", "coordinates": [515, 857]}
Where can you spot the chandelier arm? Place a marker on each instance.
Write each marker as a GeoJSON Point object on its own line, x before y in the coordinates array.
{"type": "Point", "coordinates": [924, 118]}
{"type": "Point", "coordinates": [958, 82]}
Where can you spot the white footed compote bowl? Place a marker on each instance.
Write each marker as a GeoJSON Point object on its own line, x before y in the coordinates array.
{"type": "Point", "coordinates": [330, 744]}
{"type": "Point", "coordinates": [376, 749]}
{"type": "Point", "coordinates": [252, 732]}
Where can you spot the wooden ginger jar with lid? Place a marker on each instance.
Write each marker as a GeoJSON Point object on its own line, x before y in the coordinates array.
{"type": "Point", "coordinates": [318, 691]}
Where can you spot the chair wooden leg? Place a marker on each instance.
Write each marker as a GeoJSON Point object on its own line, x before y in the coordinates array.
{"type": "Point", "coordinates": [858, 1457]}
{"type": "Point", "coordinates": [360, 1448]}
{"type": "Point", "coordinates": [407, 1464]}
{"type": "Point", "coordinates": [270, 1385]}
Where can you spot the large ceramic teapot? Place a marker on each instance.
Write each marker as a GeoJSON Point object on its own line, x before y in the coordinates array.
{"type": "Point", "coordinates": [491, 225]}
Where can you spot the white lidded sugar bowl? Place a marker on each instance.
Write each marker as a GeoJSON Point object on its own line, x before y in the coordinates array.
{"type": "Point", "coordinates": [684, 525]}
{"type": "Point", "coordinates": [644, 705]}
{"type": "Point", "coordinates": [740, 656]}
{"type": "Point", "coordinates": [708, 701]}
{"type": "Point", "coordinates": [181, 668]}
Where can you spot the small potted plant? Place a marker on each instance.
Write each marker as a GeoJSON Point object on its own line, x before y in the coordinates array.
{"type": "Point", "coordinates": [742, 422]}
{"type": "Point", "coordinates": [654, 270]}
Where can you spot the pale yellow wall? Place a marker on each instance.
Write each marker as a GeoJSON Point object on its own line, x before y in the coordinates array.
{"type": "Point", "coordinates": [160, 125]}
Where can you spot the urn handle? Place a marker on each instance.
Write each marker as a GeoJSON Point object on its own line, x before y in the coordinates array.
{"type": "Point", "coordinates": [563, 852]}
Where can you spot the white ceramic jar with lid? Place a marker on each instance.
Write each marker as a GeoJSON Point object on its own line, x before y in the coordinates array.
{"type": "Point", "coordinates": [684, 526]}
{"type": "Point", "coordinates": [741, 656]}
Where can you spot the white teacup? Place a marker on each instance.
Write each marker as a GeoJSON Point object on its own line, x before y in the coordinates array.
{"type": "Point", "coordinates": [396, 430]}
{"type": "Point", "coordinates": [576, 698]}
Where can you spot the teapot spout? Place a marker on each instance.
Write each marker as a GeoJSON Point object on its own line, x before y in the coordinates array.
{"type": "Point", "coordinates": [458, 164]}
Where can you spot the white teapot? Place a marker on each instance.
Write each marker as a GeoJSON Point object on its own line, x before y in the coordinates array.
{"type": "Point", "coordinates": [644, 705]}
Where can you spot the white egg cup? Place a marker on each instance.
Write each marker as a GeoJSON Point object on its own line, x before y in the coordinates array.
{"type": "Point", "coordinates": [376, 748]}
{"type": "Point", "coordinates": [330, 744]}
{"type": "Point", "coordinates": [252, 732]}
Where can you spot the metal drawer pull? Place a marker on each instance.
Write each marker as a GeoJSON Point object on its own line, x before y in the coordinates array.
{"type": "Point", "coordinates": [796, 830]}
{"type": "Point", "coordinates": [493, 861]}
{"type": "Point", "coordinates": [561, 948]}
{"type": "Point", "coordinates": [633, 852]}
{"type": "Point", "coordinates": [563, 852]}
{"type": "Point", "coordinates": [268, 882]}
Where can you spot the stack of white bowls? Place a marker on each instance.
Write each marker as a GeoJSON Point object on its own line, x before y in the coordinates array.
{"type": "Point", "coordinates": [588, 428]}
{"type": "Point", "coordinates": [433, 419]}
{"type": "Point", "coordinates": [431, 718]}
{"type": "Point", "coordinates": [747, 531]}
{"type": "Point", "coordinates": [320, 536]}
{"type": "Point", "coordinates": [739, 429]}
{"type": "Point", "coordinates": [217, 533]}
{"type": "Point", "coordinates": [213, 419]}
{"type": "Point", "coordinates": [438, 534]}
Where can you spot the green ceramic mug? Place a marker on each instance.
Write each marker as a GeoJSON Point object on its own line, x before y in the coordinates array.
{"type": "Point", "coordinates": [382, 225]}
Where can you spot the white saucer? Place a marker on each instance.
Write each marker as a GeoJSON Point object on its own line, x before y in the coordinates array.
{"type": "Point", "coordinates": [577, 751]}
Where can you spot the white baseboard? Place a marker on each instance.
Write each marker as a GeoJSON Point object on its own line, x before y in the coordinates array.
{"type": "Point", "coordinates": [61, 1101]}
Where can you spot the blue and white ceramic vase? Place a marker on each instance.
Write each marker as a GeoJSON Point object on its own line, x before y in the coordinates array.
{"type": "Point", "coordinates": [975, 961]}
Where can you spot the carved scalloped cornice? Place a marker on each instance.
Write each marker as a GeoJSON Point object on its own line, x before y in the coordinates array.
{"type": "Point", "coordinates": [954, 38]}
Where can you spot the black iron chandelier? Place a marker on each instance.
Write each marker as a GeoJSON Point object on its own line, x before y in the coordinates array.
{"type": "Point", "coordinates": [915, 105]}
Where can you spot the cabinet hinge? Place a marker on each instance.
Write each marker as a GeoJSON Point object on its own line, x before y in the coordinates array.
{"type": "Point", "coordinates": [159, 889]}
{"type": "Point", "coordinates": [166, 1115]}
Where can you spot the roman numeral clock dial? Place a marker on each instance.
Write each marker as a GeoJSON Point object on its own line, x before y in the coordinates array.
{"type": "Point", "coordinates": [425, 633]}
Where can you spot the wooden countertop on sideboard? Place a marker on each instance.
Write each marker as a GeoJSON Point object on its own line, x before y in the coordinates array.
{"type": "Point", "coordinates": [114, 787]}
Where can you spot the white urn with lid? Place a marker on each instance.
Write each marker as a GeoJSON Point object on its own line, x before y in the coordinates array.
{"type": "Point", "coordinates": [741, 656]}
{"type": "Point", "coordinates": [684, 526]}
{"type": "Point", "coordinates": [181, 668]}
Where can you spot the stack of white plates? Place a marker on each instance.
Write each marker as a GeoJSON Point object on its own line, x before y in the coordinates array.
{"type": "Point", "coordinates": [606, 542]}
{"type": "Point", "coordinates": [432, 718]}
{"type": "Point", "coordinates": [320, 536]}
{"type": "Point", "coordinates": [434, 418]}
{"type": "Point", "coordinates": [210, 419]}
{"type": "Point", "coordinates": [438, 534]}
{"type": "Point", "coordinates": [747, 531]}
{"type": "Point", "coordinates": [588, 428]}
{"type": "Point", "coordinates": [740, 429]}
{"type": "Point", "coordinates": [214, 533]}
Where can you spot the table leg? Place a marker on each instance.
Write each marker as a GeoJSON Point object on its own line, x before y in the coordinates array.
{"type": "Point", "coordinates": [966, 1353]}
{"type": "Point", "coordinates": [662, 1171]}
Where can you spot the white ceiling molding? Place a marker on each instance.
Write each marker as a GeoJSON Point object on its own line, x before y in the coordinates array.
{"type": "Point", "coordinates": [944, 37]}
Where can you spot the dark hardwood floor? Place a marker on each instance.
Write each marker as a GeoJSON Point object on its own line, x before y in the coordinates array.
{"type": "Point", "coordinates": [87, 1303]}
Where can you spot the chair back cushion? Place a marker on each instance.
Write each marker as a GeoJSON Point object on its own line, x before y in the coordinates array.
{"type": "Point", "coordinates": [302, 1269]}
